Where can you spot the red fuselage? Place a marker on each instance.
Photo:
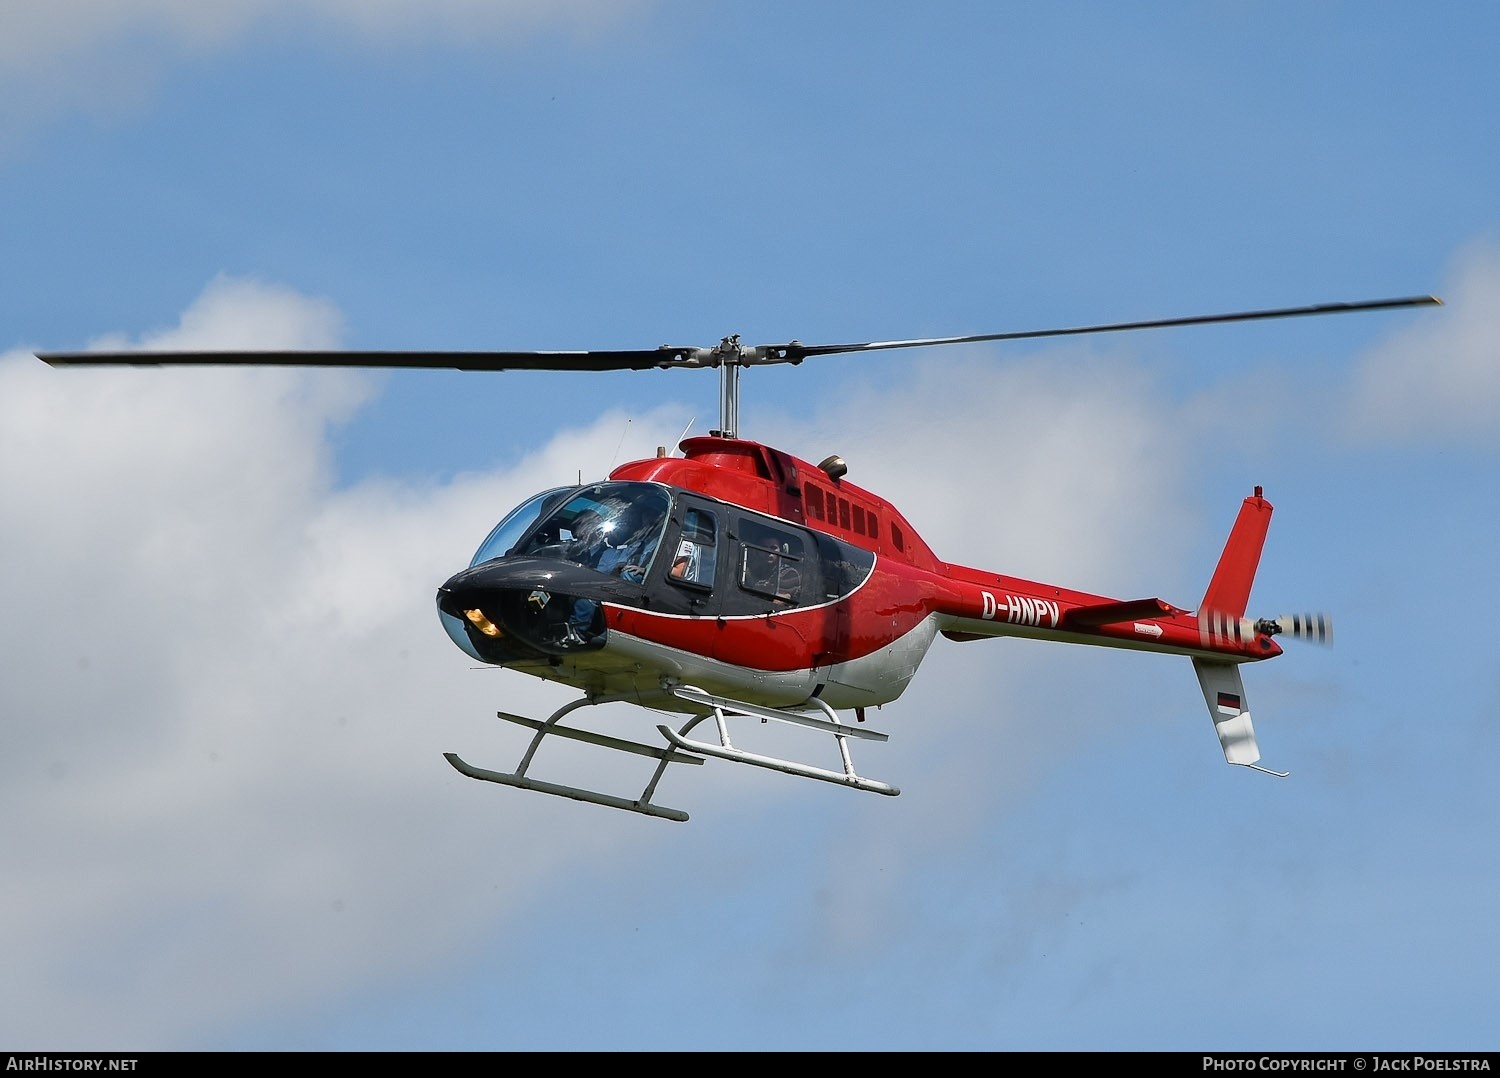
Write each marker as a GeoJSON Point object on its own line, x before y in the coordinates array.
{"type": "Point", "coordinates": [875, 594]}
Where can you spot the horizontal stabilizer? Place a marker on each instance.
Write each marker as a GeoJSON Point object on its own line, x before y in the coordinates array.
{"type": "Point", "coordinates": [1087, 617]}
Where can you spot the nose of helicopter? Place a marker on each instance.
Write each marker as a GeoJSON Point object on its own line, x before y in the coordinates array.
{"type": "Point", "coordinates": [502, 611]}
{"type": "Point", "coordinates": [451, 613]}
{"type": "Point", "coordinates": [469, 605]}
{"type": "Point", "coordinates": [492, 584]}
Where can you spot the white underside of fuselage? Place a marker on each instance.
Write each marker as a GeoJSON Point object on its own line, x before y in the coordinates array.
{"type": "Point", "coordinates": [632, 668]}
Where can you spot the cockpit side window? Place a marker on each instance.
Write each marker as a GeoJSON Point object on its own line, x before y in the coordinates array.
{"type": "Point", "coordinates": [696, 557]}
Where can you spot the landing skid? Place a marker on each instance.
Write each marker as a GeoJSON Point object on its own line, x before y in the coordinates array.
{"type": "Point", "coordinates": [722, 707]}
{"type": "Point", "coordinates": [521, 781]}
{"type": "Point", "coordinates": [679, 750]}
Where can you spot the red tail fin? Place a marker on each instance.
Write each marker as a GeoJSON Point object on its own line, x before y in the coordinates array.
{"type": "Point", "coordinates": [1229, 590]}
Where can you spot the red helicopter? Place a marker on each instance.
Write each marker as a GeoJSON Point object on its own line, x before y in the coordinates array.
{"type": "Point", "coordinates": [740, 582]}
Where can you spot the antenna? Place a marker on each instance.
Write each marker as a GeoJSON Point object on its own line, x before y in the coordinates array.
{"type": "Point", "coordinates": [616, 457]}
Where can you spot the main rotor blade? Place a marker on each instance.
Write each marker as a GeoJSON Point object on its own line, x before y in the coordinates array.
{"type": "Point", "coordinates": [727, 352]}
{"type": "Point", "coordinates": [795, 351]}
{"type": "Point", "coordinates": [631, 360]}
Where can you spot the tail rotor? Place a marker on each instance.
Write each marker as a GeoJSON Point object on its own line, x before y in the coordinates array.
{"type": "Point", "coordinates": [1316, 628]}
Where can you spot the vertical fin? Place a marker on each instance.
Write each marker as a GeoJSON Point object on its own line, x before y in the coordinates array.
{"type": "Point", "coordinates": [1224, 694]}
{"type": "Point", "coordinates": [1229, 589]}
{"type": "Point", "coordinates": [1223, 614]}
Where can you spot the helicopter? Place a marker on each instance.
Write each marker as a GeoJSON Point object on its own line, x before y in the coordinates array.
{"type": "Point", "coordinates": [737, 582]}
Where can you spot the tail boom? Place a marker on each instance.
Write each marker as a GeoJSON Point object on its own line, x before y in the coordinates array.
{"type": "Point", "coordinates": [975, 605]}
{"type": "Point", "coordinates": [972, 604]}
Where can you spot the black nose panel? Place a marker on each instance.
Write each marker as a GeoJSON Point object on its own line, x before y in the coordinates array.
{"type": "Point", "coordinates": [517, 609]}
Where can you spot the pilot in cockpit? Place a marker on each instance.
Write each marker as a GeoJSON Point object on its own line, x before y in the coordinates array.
{"type": "Point", "coordinates": [619, 544]}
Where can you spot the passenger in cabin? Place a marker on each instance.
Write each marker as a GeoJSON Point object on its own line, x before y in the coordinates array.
{"type": "Point", "coordinates": [789, 582]}
{"type": "Point", "coordinates": [760, 569]}
{"type": "Point", "coordinates": [693, 562]}
{"type": "Point", "coordinates": [682, 561]}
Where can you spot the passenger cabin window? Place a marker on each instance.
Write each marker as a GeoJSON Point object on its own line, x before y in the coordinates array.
{"type": "Point", "coordinates": [771, 562]}
{"type": "Point", "coordinates": [840, 512]}
{"type": "Point", "coordinates": [845, 566]}
{"type": "Point", "coordinates": [696, 558]}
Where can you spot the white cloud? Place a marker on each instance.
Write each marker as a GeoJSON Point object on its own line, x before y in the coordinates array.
{"type": "Point", "coordinates": [223, 792]}
{"type": "Point", "coordinates": [1439, 380]}
{"type": "Point", "coordinates": [35, 36]}
{"type": "Point", "coordinates": [227, 694]}
{"type": "Point", "coordinates": [1064, 467]}
{"type": "Point", "coordinates": [106, 57]}
{"type": "Point", "coordinates": [461, 21]}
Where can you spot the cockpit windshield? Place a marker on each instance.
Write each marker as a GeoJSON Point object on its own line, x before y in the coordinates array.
{"type": "Point", "coordinates": [611, 528]}
{"type": "Point", "coordinates": [516, 523]}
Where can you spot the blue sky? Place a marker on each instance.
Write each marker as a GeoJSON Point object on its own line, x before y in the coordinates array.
{"type": "Point", "coordinates": [226, 819]}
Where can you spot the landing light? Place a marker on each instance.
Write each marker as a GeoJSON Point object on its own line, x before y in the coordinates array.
{"type": "Point", "coordinates": [483, 624]}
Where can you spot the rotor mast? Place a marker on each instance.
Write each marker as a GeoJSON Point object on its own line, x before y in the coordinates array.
{"type": "Point", "coordinates": [731, 357]}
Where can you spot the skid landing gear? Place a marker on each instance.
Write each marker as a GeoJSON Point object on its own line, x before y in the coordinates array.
{"type": "Point", "coordinates": [720, 710]}
{"type": "Point", "coordinates": [520, 780]}
{"type": "Point", "coordinates": [679, 750]}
